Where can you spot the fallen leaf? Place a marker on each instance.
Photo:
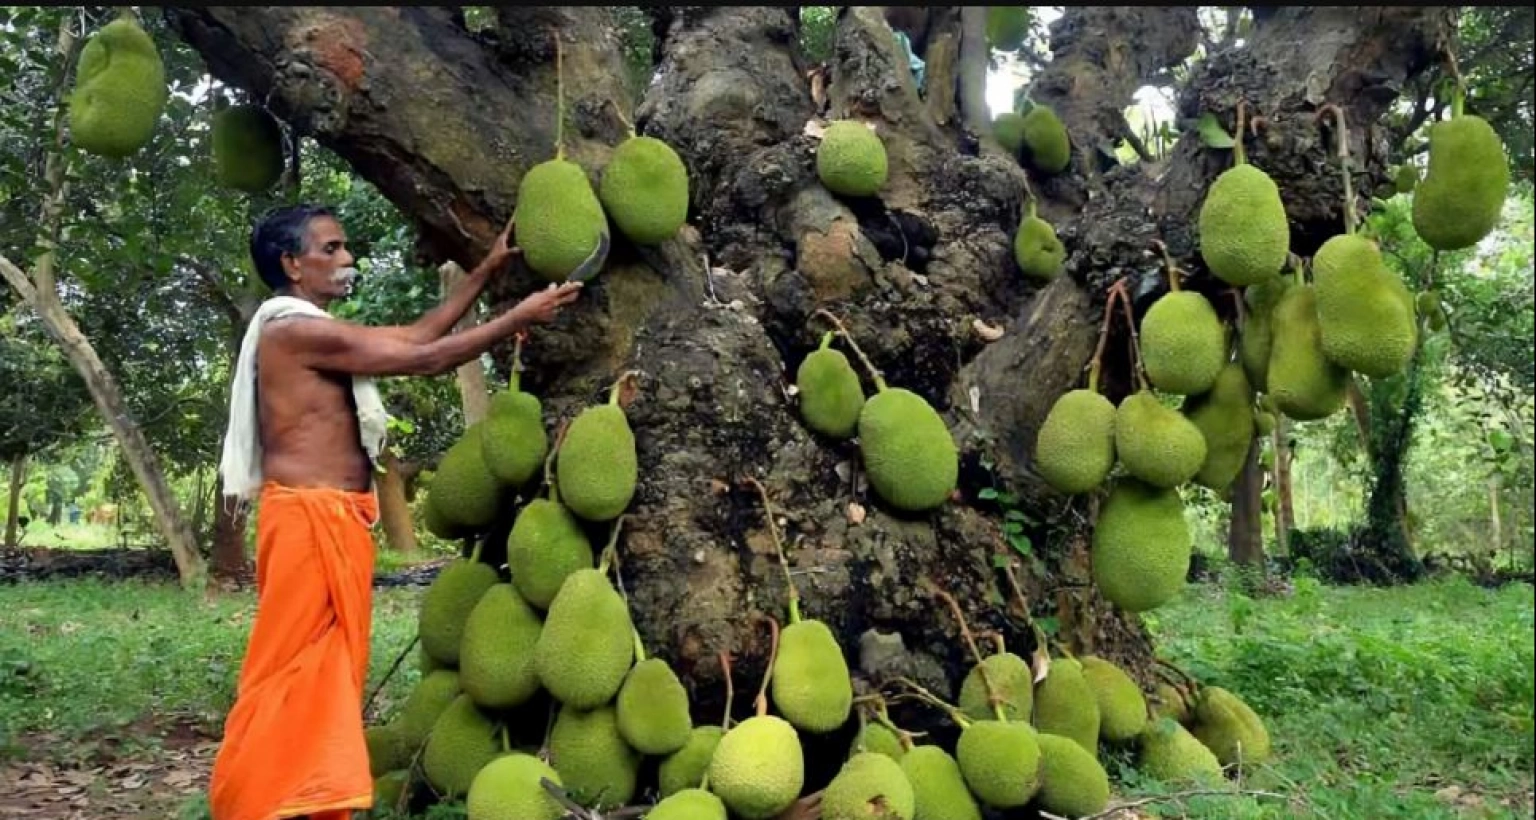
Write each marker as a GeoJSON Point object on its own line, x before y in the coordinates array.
{"type": "Point", "coordinates": [988, 333]}
{"type": "Point", "coordinates": [855, 513]}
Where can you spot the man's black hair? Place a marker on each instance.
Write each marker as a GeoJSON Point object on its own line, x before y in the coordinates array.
{"type": "Point", "coordinates": [282, 230]}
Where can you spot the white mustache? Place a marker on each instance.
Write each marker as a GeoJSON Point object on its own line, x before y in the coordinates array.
{"type": "Point", "coordinates": [344, 276]}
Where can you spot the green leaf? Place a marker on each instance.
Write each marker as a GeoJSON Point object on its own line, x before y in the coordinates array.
{"type": "Point", "coordinates": [1049, 625]}
{"type": "Point", "coordinates": [987, 494]}
{"type": "Point", "coordinates": [1211, 132]}
{"type": "Point", "coordinates": [1021, 544]}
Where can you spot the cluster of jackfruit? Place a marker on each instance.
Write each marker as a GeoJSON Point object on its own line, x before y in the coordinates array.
{"type": "Point", "coordinates": [1036, 137]}
{"type": "Point", "coordinates": [119, 90]}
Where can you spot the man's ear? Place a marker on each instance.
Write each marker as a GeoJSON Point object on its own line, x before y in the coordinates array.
{"type": "Point", "coordinates": [291, 267]}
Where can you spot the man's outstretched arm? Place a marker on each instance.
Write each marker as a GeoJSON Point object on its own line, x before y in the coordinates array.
{"type": "Point", "coordinates": [435, 323]}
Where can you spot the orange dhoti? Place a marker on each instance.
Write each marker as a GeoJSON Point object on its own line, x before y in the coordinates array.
{"type": "Point", "coordinates": [293, 743]}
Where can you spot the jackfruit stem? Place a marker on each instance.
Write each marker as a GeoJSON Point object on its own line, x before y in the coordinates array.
{"type": "Point", "coordinates": [760, 703]}
{"type": "Point", "coordinates": [1458, 96]}
{"type": "Point", "coordinates": [882, 717]}
{"type": "Point", "coordinates": [611, 551]}
{"type": "Point", "coordinates": [874, 374]}
{"type": "Point", "coordinates": [993, 698]}
{"type": "Point", "coordinates": [1170, 270]}
{"type": "Point", "coordinates": [639, 645]}
{"type": "Point", "coordinates": [1189, 681]}
{"type": "Point", "coordinates": [1098, 354]}
{"type": "Point", "coordinates": [617, 391]}
{"type": "Point", "coordinates": [931, 699]}
{"type": "Point", "coordinates": [1349, 188]}
{"type": "Point", "coordinates": [506, 741]}
{"type": "Point", "coordinates": [1137, 367]}
{"type": "Point", "coordinates": [474, 554]}
{"type": "Point", "coordinates": [778, 548]}
{"type": "Point", "coordinates": [628, 126]}
{"type": "Point", "coordinates": [549, 460]}
{"type": "Point", "coordinates": [559, 97]}
{"type": "Point", "coordinates": [1031, 213]}
{"type": "Point", "coordinates": [514, 382]}
{"type": "Point", "coordinates": [1239, 156]}
{"type": "Point", "coordinates": [730, 690]}
{"type": "Point", "coordinates": [826, 340]}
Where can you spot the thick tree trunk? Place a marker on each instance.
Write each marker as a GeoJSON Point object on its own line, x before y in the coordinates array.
{"type": "Point", "coordinates": [18, 476]}
{"type": "Point", "coordinates": [1245, 532]}
{"type": "Point", "coordinates": [1285, 512]}
{"type": "Point", "coordinates": [227, 559]}
{"type": "Point", "coordinates": [394, 510]}
{"type": "Point", "coordinates": [1385, 541]}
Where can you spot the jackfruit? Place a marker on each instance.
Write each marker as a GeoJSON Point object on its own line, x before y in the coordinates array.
{"type": "Point", "coordinates": [508, 788]}
{"type": "Point", "coordinates": [1000, 762]}
{"type": "Point", "coordinates": [1066, 706]}
{"type": "Point", "coordinates": [1007, 26]}
{"type": "Point", "coordinates": [1263, 422]}
{"type": "Point", "coordinates": [247, 148]}
{"type": "Point", "coordinates": [1011, 678]}
{"type": "Point", "coordinates": [587, 645]}
{"type": "Point", "coordinates": [1075, 449]}
{"type": "Point", "coordinates": [389, 787]}
{"type": "Point", "coordinates": [811, 686]}
{"type": "Point", "coordinates": [689, 804]}
{"type": "Point", "coordinates": [1230, 728]}
{"type": "Point", "coordinates": [1257, 334]}
{"type": "Point", "coordinates": [446, 604]}
{"type": "Point", "coordinates": [386, 750]}
{"type": "Point", "coordinates": [645, 190]}
{"type": "Point", "coordinates": [1224, 417]}
{"type": "Point", "coordinates": [1156, 443]}
{"type": "Point", "coordinates": [831, 397]}
{"type": "Point", "coordinates": [1036, 249]}
{"type": "Point", "coordinates": [1141, 546]}
{"type": "Point", "coordinates": [1364, 311]}
{"type": "Point", "coordinates": [868, 785]}
{"type": "Point", "coordinates": [461, 742]}
{"type": "Point", "coordinates": [1459, 200]}
{"type": "Point", "coordinates": [1170, 753]}
{"type": "Point", "coordinates": [653, 709]}
{"type": "Point", "coordinates": [758, 767]}
{"type": "Point", "coordinates": [876, 737]}
{"type": "Point", "coordinates": [1046, 145]}
{"type": "Point", "coordinates": [431, 695]}
{"type": "Point", "coordinates": [559, 220]}
{"type": "Point", "coordinates": [1183, 343]}
{"type": "Point", "coordinates": [597, 468]}
{"type": "Point", "coordinates": [1304, 383]}
{"type": "Point", "coordinates": [119, 91]}
{"type": "Point", "coordinates": [513, 443]}
{"type": "Point", "coordinates": [435, 523]}
{"type": "Point", "coordinates": [1072, 783]}
{"type": "Point", "coordinates": [1167, 702]}
{"type": "Point", "coordinates": [909, 454]}
{"type": "Point", "coordinates": [1430, 307]}
{"type": "Point", "coordinates": [425, 663]}
{"type": "Point", "coordinates": [545, 546]}
{"type": "Point", "coordinates": [597, 767]}
{"type": "Point", "coordinates": [1008, 128]}
{"type": "Point", "coordinates": [464, 492]}
{"type": "Point", "coordinates": [1244, 235]}
{"type": "Point", "coordinates": [1122, 707]}
{"type": "Point", "coordinates": [496, 654]}
{"type": "Point", "coordinates": [686, 767]}
{"type": "Point", "coordinates": [1406, 179]}
{"type": "Point", "coordinates": [851, 159]}
{"type": "Point", "coordinates": [938, 788]}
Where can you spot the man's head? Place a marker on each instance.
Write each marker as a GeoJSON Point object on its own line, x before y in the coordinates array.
{"type": "Point", "coordinates": [302, 250]}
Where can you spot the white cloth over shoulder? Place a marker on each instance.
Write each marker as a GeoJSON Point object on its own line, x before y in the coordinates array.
{"type": "Point", "coordinates": [240, 466]}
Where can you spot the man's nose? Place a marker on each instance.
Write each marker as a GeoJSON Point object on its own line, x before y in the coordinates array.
{"type": "Point", "coordinates": [347, 259]}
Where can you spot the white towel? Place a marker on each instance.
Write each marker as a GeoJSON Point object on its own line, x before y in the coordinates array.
{"type": "Point", "coordinates": [240, 466]}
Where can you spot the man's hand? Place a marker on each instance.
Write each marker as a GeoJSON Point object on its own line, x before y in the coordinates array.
{"type": "Point", "coordinates": [541, 307]}
{"type": "Point", "coordinates": [502, 250]}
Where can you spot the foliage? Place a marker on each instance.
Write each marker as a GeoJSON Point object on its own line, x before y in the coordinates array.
{"type": "Point", "coordinates": [44, 400]}
{"type": "Point", "coordinates": [818, 32]}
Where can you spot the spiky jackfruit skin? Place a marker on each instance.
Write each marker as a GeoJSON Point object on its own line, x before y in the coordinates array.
{"type": "Point", "coordinates": [1006, 26]}
{"type": "Point", "coordinates": [875, 737]}
{"type": "Point", "coordinates": [869, 785]}
{"type": "Point", "coordinates": [1244, 235]}
{"type": "Point", "coordinates": [461, 742]}
{"type": "Point", "coordinates": [690, 804]}
{"type": "Point", "coordinates": [432, 694]}
{"type": "Point", "coordinates": [685, 768]}
{"type": "Point", "coordinates": [596, 765]}
{"type": "Point", "coordinates": [851, 159]}
{"type": "Point", "coordinates": [1459, 200]}
{"type": "Point", "coordinates": [1406, 179]}
{"type": "Point", "coordinates": [1045, 140]}
{"type": "Point", "coordinates": [810, 686]}
{"type": "Point", "coordinates": [831, 397]}
{"type": "Point", "coordinates": [1224, 417]}
{"type": "Point", "coordinates": [645, 190]}
{"type": "Point", "coordinates": [386, 749]}
{"type": "Point", "coordinates": [508, 788]}
{"type": "Point", "coordinates": [909, 454]}
{"type": "Point", "coordinates": [1171, 754]}
{"type": "Point", "coordinates": [446, 605]}
{"type": "Point", "coordinates": [1167, 702]}
{"type": "Point", "coordinates": [389, 787]}
{"type": "Point", "coordinates": [119, 91]}
{"type": "Point", "coordinates": [1141, 546]}
{"type": "Point", "coordinates": [1011, 678]}
{"type": "Point", "coordinates": [1075, 449]}
{"type": "Point", "coordinates": [653, 709]}
{"type": "Point", "coordinates": [1156, 443]}
{"type": "Point", "coordinates": [1183, 343]}
{"type": "Point", "coordinates": [1008, 128]}
{"type": "Point", "coordinates": [464, 492]}
{"type": "Point", "coordinates": [1066, 706]}
{"type": "Point", "coordinates": [1072, 782]}
{"type": "Point", "coordinates": [1305, 384]}
{"type": "Point", "coordinates": [247, 148]}
{"type": "Point", "coordinates": [597, 467]}
{"type": "Point", "coordinates": [1037, 250]}
{"type": "Point", "coordinates": [1365, 314]}
{"type": "Point", "coordinates": [513, 443]}
{"type": "Point", "coordinates": [545, 546]}
{"type": "Point", "coordinates": [586, 647]}
{"type": "Point", "coordinates": [1230, 728]}
{"type": "Point", "coordinates": [1000, 762]}
{"type": "Point", "coordinates": [758, 767]}
{"type": "Point", "coordinates": [1256, 337]}
{"type": "Point", "coordinates": [559, 218]}
{"type": "Point", "coordinates": [496, 653]}
{"type": "Point", "coordinates": [938, 788]}
{"type": "Point", "coordinates": [1263, 422]}
{"type": "Point", "coordinates": [1122, 707]}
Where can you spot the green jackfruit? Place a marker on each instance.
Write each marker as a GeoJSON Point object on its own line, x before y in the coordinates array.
{"type": "Point", "coordinates": [686, 767]}
{"type": "Point", "coordinates": [425, 663]}
{"type": "Point", "coordinates": [689, 804]}
{"type": "Point", "coordinates": [811, 686]}
{"type": "Point", "coordinates": [598, 768]}
{"type": "Point", "coordinates": [1122, 707]}
{"type": "Point", "coordinates": [1037, 250]}
{"type": "Point", "coordinates": [1255, 340]}
{"type": "Point", "coordinates": [545, 546]}
{"type": "Point", "coordinates": [496, 654]}
{"type": "Point", "coordinates": [247, 148]}
{"type": "Point", "coordinates": [1167, 702]}
{"type": "Point", "coordinates": [938, 788]}
{"type": "Point", "coordinates": [868, 785]}
{"type": "Point", "coordinates": [1156, 443]}
{"type": "Point", "coordinates": [1406, 179]}
{"type": "Point", "coordinates": [876, 737]}
{"type": "Point", "coordinates": [389, 787]}
{"type": "Point", "coordinates": [653, 709]}
{"type": "Point", "coordinates": [909, 454]}
{"type": "Point", "coordinates": [1170, 753]}
{"type": "Point", "coordinates": [461, 742]}
{"type": "Point", "coordinates": [119, 91]}
{"type": "Point", "coordinates": [1183, 343]}
{"type": "Point", "coordinates": [597, 468]}
{"type": "Point", "coordinates": [851, 159]}
{"type": "Point", "coordinates": [1075, 449]}
{"type": "Point", "coordinates": [1013, 681]}
{"type": "Point", "coordinates": [1141, 546]}
{"type": "Point", "coordinates": [508, 788]}
{"type": "Point", "coordinates": [645, 190]}
{"type": "Point", "coordinates": [1008, 128]}
{"type": "Point", "coordinates": [1244, 235]}
{"type": "Point", "coordinates": [1007, 26]}
{"type": "Point", "coordinates": [1435, 316]}
{"type": "Point", "coordinates": [1072, 783]}
{"type": "Point", "coordinates": [1224, 417]}
{"type": "Point", "coordinates": [1066, 706]}
{"type": "Point", "coordinates": [559, 220]}
{"type": "Point", "coordinates": [1364, 311]}
{"type": "Point", "coordinates": [446, 604]}
{"type": "Point", "coordinates": [1427, 301]}
{"type": "Point", "coordinates": [1000, 762]}
{"type": "Point", "coordinates": [1230, 728]}
{"type": "Point", "coordinates": [758, 767]}
{"type": "Point", "coordinates": [464, 492]}
{"type": "Point", "coordinates": [1263, 422]}
{"type": "Point", "coordinates": [431, 695]}
{"type": "Point", "coordinates": [587, 645]}
{"type": "Point", "coordinates": [1305, 384]}
{"type": "Point", "coordinates": [831, 397]}
{"type": "Point", "coordinates": [1046, 145]}
{"type": "Point", "coordinates": [513, 443]}
{"type": "Point", "coordinates": [386, 749]}
{"type": "Point", "coordinates": [1459, 200]}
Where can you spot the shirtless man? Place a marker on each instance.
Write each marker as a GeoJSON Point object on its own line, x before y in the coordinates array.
{"type": "Point", "coordinates": [293, 743]}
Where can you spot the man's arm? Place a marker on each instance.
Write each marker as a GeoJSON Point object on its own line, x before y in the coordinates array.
{"type": "Point", "coordinates": [435, 323]}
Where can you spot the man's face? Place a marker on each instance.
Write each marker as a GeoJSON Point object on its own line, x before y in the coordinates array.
{"type": "Point", "coordinates": [314, 270]}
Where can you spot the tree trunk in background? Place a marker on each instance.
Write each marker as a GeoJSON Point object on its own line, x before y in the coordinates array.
{"type": "Point", "coordinates": [228, 560]}
{"type": "Point", "coordinates": [1245, 533]}
{"type": "Point", "coordinates": [470, 376]}
{"type": "Point", "coordinates": [1285, 515]}
{"type": "Point", "coordinates": [394, 509]}
{"type": "Point", "coordinates": [13, 505]}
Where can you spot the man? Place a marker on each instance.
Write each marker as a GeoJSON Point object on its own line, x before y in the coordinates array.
{"type": "Point", "coordinates": [306, 425]}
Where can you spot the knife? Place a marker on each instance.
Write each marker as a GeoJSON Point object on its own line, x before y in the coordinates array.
{"type": "Point", "coordinates": [593, 263]}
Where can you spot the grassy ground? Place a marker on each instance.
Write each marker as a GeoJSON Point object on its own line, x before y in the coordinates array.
{"type": "Point", "coordinates": [1410, 703]}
